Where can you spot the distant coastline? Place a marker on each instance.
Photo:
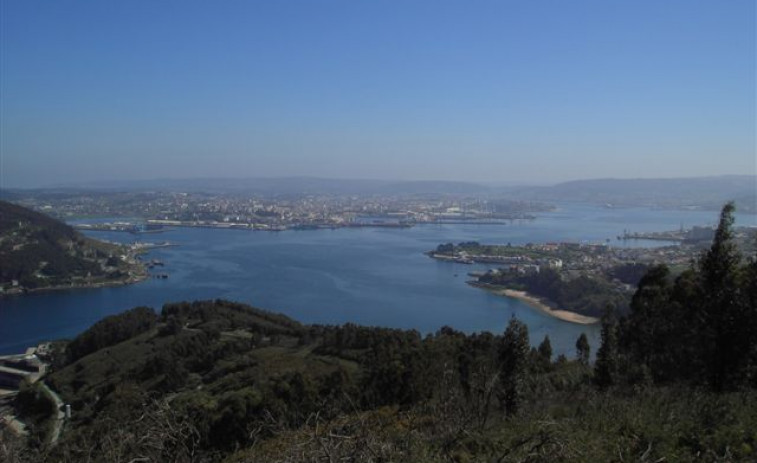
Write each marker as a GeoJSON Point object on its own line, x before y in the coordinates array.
{"type": "Point", "coordinates": [539, 304]}
{"type": "Point", "coordinates": [100, 284]}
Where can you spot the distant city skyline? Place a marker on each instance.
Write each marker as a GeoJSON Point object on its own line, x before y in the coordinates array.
{"type": "Point", "coordinates": [487, 92]}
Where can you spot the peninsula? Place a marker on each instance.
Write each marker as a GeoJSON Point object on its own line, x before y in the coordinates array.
{"type": "Point", "coordinates": [39, 253]}
{"type": "Point", "coordinates": [576, 282]}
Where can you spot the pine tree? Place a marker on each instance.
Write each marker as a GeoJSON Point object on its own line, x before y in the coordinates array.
{"type": "Point", "coordinates": [652, 335]}
{"type": "Point", "coordinates": [545, 349]}
{"type": "Point", "coordinates": [606, 366]}
{"type": "Point", "coordinates": [583, 349]}
{"type": "Point", "coordinates": [513, 357]}
{"type": "Point", "coordinates": [722, 319]}
{"type": "Point", "coordinates": [749, 302]}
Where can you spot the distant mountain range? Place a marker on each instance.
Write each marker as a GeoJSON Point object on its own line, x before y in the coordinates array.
{"type": "Point", "coordinates": [708, 193]}
{"type": "Point", "coordinates": [697, 192]}
{"type": "Point", "coordinates": [279, 186]}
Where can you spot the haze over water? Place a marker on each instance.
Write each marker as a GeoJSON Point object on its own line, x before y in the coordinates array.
{"type": "Point", "coordinates": [369, 276]}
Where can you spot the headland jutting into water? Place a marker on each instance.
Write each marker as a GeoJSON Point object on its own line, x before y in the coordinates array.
{"type": "Point", "coordinates": [575, 282]}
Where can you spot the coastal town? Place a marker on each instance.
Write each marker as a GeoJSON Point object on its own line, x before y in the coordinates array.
{"type": "Point", "coordinates": [551, 277]}
{"type": "Point", "coordinates": [575, 258]}
{"type": "Point", "coordinates": [151, 212]}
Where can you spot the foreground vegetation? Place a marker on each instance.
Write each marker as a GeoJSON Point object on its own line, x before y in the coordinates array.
{"type": "Point", "coordinates": [221, 381]}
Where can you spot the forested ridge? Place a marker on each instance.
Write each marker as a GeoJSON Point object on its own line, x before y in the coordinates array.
{"type": "Point", "coordinates": [38, 251]}
{"type": "Point", "coordinates": [675, 380]}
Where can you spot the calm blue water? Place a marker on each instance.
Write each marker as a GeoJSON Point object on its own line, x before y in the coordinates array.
{"type": "Point", "coordinates": [366, 276]}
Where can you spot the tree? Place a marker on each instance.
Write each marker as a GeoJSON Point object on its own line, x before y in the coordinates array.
{"type": "Point", "coordinates": [606, 366]}
{"type": "Point", "coordinates": [653, 334]}
{"type": "Point", "coordinates": [583, 349]}
{"type": "Point", "coordinates": [479, 374]}
{"type": "Point", "coordinates": [749, 303]}
{"type": "Point", "coordinates": [724, 322]}
{"type": "Point", "coordinates": [701, 328]}
{"type": "Point", "coordinates": [545, 349]}
{"type": "Point", "coordinates": [513, 357]}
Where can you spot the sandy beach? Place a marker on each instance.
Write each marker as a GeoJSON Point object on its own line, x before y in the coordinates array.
{"type": "Point", "coordinates": [538, 304]}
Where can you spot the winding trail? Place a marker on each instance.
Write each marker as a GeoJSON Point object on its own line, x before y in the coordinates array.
{"type": "Point", "coordinates": [60, 416]}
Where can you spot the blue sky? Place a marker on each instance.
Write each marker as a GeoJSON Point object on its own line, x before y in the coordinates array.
{"type": "Point", "coordinates": [501, 91]}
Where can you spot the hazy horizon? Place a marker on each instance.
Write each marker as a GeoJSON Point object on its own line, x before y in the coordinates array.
{"type": "Point", "coordinates": [200, 183]}
{"type": "Point", "coordinates": [484, 92]}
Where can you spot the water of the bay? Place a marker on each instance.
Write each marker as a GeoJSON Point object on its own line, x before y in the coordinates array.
{"type": "Point", "coordinates": [370, 276]}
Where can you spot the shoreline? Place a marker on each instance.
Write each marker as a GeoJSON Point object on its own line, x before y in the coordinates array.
{"type": "Point", "coordinates": [138, 269]}
{"type": "Point", "coordinates": [99, 284]}
{"type": "Point", "coordinates": [538, 304]}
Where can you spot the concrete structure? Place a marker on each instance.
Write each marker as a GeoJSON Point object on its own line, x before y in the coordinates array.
{"type": "Point", "coordinates": [14, 369]}
{"type": "Point", "coordinates": [10, 378]}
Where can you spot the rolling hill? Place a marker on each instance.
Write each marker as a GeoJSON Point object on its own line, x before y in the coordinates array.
{"type": "Point", "coordinates": [39, 252]}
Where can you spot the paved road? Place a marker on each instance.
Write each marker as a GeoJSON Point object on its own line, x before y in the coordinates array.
{"type": "Point", "coordinates": [59, 418]}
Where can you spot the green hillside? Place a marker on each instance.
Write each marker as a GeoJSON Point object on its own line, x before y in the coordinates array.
{"type": "Point", "coordinates": [221, 381]}
{"type": "Point", "coordinates": [218, 381]}
{"type": "Point", "coordinates": [37, 252]}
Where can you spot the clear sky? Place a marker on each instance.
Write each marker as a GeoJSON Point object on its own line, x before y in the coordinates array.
{"type": "Point", "coordinates": [507, 91]}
